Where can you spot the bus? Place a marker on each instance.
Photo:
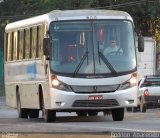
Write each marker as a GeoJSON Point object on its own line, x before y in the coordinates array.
{"type": "Point", "coordinates": [55, 63]}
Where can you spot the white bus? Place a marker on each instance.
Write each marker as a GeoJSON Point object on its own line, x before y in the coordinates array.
{"type": "Point", "coordinates": [55, 63]}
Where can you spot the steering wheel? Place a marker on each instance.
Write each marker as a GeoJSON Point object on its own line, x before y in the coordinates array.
{"type": "Point", "coordinates": [118, 52]}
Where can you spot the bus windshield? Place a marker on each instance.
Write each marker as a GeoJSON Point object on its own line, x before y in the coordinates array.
{"type": "Point", "coordinates": [83, 48]}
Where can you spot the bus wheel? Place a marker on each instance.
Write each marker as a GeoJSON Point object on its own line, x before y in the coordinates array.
{"type": "Point", "coordinates": [49, 115]}
{"type": "Point", "coordinates": [118, 114]}
{"type": "Point", "coordinates": [92, 113]}
{"type": "Point", "coordinates": [22, 113]}
{"type": "Point", "coordinates": [33, 113]}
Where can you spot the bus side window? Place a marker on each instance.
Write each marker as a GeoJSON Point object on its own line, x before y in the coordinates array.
{"type": "Point", "coordinates": [12, 45]}
{"type": "Point", "coordinates": [15, 38]}
{"type": "Point", "coordinates": [9, 47]}
{"type": "Point", "coordinates": [34, 41]}
{"type": "Point", "coordinates": [21, 43]}
{"type": "Point", "coordinates": [40, 40]}
{"type": "Point", "coordinates": [27, 44]}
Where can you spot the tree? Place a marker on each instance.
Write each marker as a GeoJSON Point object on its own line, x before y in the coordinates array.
{"type": "Point", "coordinates": [146, 13]}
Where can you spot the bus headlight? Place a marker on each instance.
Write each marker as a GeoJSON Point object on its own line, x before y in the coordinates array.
{"type": "Point", "coordinates": [60, 85]}
{"type": "Point", "coordinates": [130, 83]}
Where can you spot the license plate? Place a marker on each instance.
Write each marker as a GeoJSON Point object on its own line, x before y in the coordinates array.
{"type": "Point", "coordinates": [95, 97]}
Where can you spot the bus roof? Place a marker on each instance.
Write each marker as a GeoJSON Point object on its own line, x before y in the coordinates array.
{"type": "Point", "coordinates": [57, 15]}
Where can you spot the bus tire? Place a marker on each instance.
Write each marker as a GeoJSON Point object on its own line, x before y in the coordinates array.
{"type": "Point", "coordinates": [49, 115]}
{"type": "Point", "coordinates": [33, 113]}
{"type": "Point", "coordinates": [118, 114]}
{"type": "Point", "coordinates": [22, 112]}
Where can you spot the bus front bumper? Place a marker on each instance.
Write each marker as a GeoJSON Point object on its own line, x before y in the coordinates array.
{"type": "Point", "coordinates": [64, 100]}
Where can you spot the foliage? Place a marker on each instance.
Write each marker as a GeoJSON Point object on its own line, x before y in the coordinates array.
{"type": "Point", "coordinates": [146, 13]}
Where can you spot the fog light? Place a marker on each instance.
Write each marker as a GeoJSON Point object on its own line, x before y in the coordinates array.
{"type": "Point", "coordinates": [59, 103]}
{"type": "Point", "coordinates": [130, 101]}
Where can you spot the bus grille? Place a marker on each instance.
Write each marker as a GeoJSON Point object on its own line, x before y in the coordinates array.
{"type": "Point", "coordinates": [95, 89]}
{"type": "Point", "coordinates": [95, 103]}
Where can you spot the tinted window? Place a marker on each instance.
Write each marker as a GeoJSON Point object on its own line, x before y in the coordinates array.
{"type": "Point", "coordinates": [152, 82]}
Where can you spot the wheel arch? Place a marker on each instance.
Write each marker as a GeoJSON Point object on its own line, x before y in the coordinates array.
{"type": "Point", "coordinates": [17, 94]}
{"type": "Point", "coordinates": [40, 91]}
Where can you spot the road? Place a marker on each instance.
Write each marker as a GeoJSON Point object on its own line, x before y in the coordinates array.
{"type": "Point", "coordinates": [68, 123]}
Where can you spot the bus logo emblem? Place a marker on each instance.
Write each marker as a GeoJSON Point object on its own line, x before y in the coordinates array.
{"type": "Point", "coordinates": [94, 88]}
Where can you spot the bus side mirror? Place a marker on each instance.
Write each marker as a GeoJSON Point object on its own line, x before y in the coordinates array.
{"type": "Point", "coordinates": [46, 44]}
{"type": "Point", "coordinates": [140, 44]}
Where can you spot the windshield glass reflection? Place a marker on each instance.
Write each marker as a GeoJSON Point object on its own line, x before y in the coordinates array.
{"type": "Point", "coordinates": [85, 48]}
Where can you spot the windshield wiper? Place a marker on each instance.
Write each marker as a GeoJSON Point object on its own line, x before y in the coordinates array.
{"type": "Point", "coordinates": [82, 60]}
{"type": "Point", "coordinates": [80, 63]}
{"type": "Point", "coordinates": [108, 64]}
